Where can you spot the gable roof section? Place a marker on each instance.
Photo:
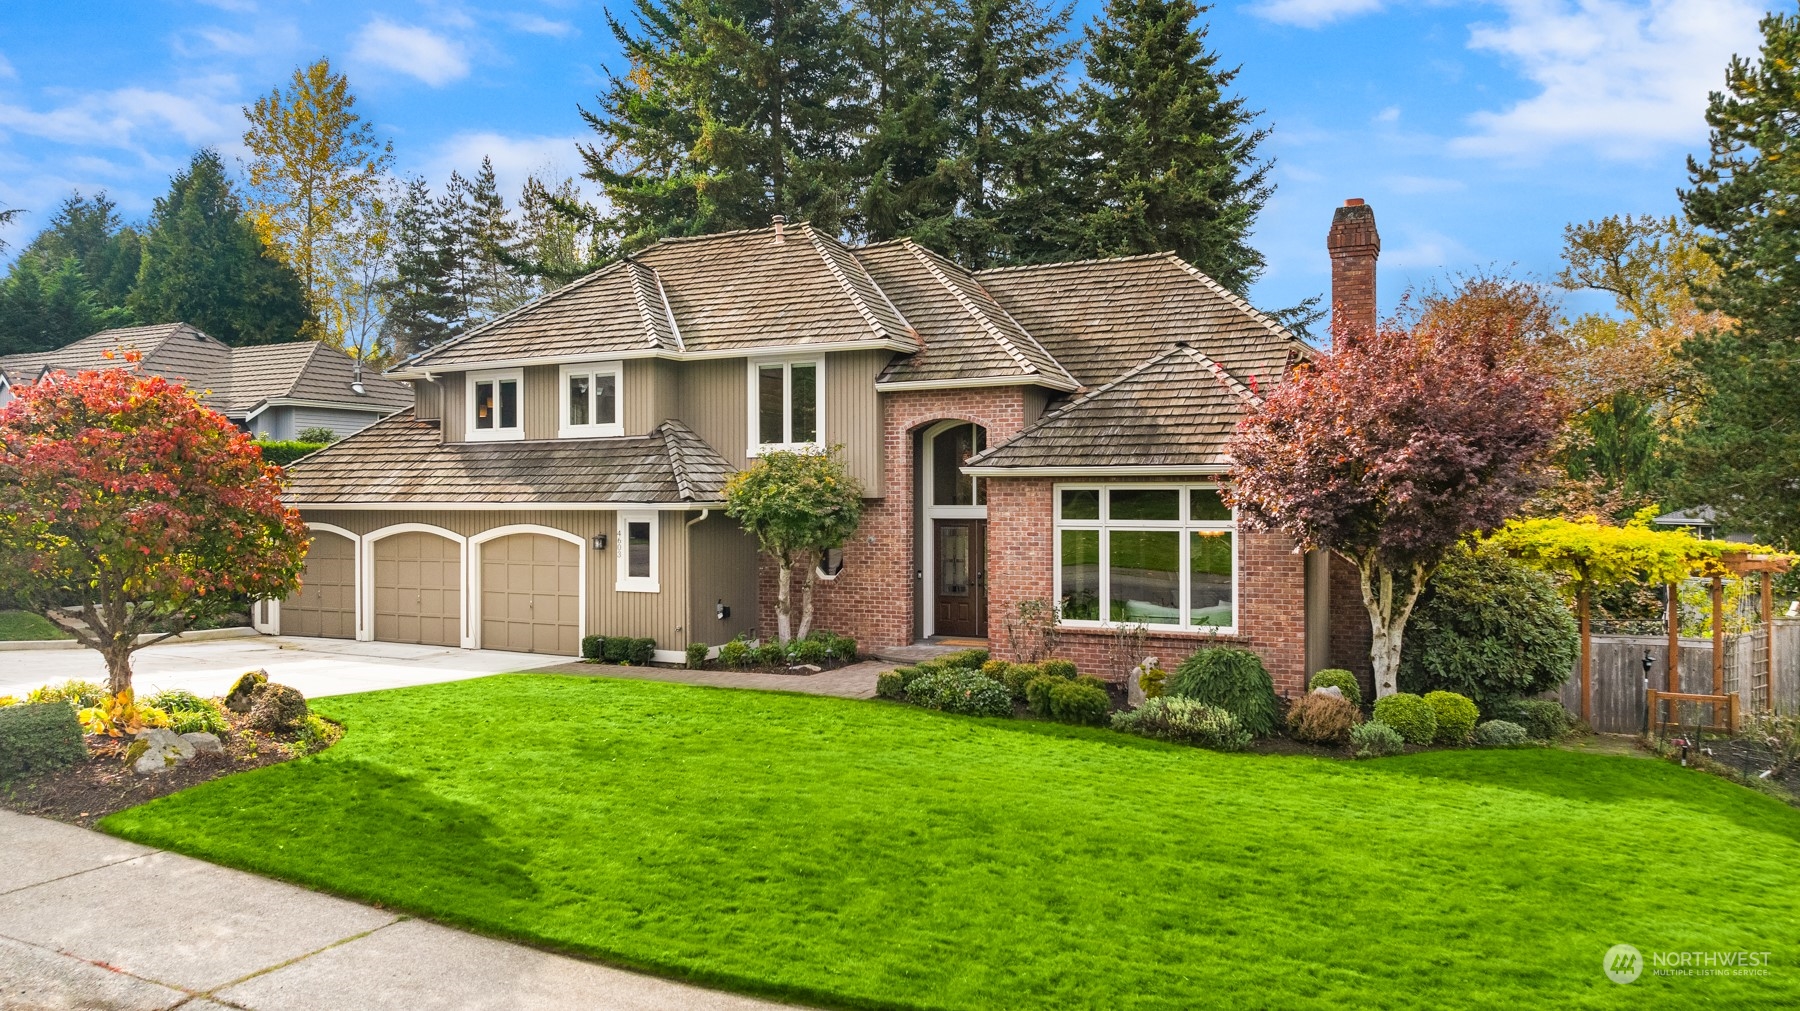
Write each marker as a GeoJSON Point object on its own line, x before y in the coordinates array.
{"type": "Point", "coordinates": [309, 370]}
{"type": "Point", "coordinates": [400, 461]}
{"type": "Point", "coordinates": [965, 335]}
{"type": "Point", "coordinates": [602, 313]}
{"type": "Point", "coordinates": [1101, 317]}
{"type": "Point", "coordinates": [1175, 411]}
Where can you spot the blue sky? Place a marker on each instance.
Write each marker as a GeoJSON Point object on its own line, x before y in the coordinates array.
{"type": "Point", "coordinates": [1476, 128]}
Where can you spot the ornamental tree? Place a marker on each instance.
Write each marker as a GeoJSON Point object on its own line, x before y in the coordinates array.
{"type": "Point", "coordinates": [1395, 447]}
{"type": "Point", "coordinates": [799, 505]}
{"type": "Point", "coordinates": [120, 491]}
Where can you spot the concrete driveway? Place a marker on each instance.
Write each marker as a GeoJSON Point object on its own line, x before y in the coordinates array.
{"type": "Point", "coordinates": [316, 667]}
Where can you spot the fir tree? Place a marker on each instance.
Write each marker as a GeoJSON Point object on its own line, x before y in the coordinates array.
{"type": "Point", "coordinates": [1742, 452]}
{"type": "Point", "coordinates": [89, 229]}
{"type": "Point", "coordinates": [493, 242]}
{"type": "Point", "coordinates": [45, 307]}
{"type": "Point", "coordinates": [904, 159]}
{"type": "Point", "coordinates": [1169, 162]}
{"type": "Point", "coordinates": [559, 235]}
{"type": "Point", "coordinates": [204, 264]}
{"type": "Point", "coordinates": [420, 306]}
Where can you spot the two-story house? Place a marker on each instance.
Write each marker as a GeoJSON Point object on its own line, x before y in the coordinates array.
{"type": "Point", "coordinates": [1051, 433]}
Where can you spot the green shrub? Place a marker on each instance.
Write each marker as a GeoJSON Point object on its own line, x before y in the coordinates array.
{"type": "Point", "coordinates": [1060, 668]}
{"type": "Point", "coordinates": [735, 654]}
{"type": "Point", "coordinates": [967, 659]}
{"type": "Point", "coordinates": [37, 737]}
{"type": "Point", "coordinates": [1376, 739]}
{"type": "Point", "coordinates": [593, 647]}
{"type": "Point", "coordinates": [189, 713]}
{"type": "Point", "coordinates": [696, 655]}
{"type": "Point", "coordinates": [1019, 675]}
{"type": "Point", "coordinates": [811, 651]}
{"type": "Point", "coordinates": [1342, 680]}
{"type": "Point", "coordinates": [315, 734]}
{"type": "Point", "coordinates": [1184, 721]}
{"type": "Point", "coordinates": [1037, 693]}
{"type": "Point", "coordinates": [1456, 717]}
{"type": "Point", "coordinates": [1232, 679]}
{"type": "Point", "coordinates": [960, 691]}
{"type": "Point", "coordinates": [1543, 719]}
{"type": "Point", "coordinates": [1321, 718]}
{"type": "Point", "coordinates": [1500, 734]}
{"type": "Point", "coordinates": [641, 651]}
{"type": "Point", "coordinates": [77, 694]}
{"type": "Point", "coordinates": [1488, 628]}
{"type": "Point", "coordinates": [890, 684]}
{"type": "Point", "coordinates": [283, 453]}
{"type": "Point", "coordinates": [835, 646]}
{"type": "Point", "coordinates": [615, 650]}
{"type": "Point", "coordinates": [1083, 701]}
{"type": "Point", "coordinates": [277, 708]}
{"type": "Point", "coordinates": [1411, 716]}
{"type": "Point", "coordinates": [770, 654]}
{"type": "Point", "coordinates": [996, 669]}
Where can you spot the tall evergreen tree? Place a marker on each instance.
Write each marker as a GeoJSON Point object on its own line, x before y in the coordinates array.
{"type": "Point", "coordinates": [1742, 452]}
{"type": "Point", "coordinates": [204, 264]}
{"type": "Point", "coordinates": [559, 234]}
{"type": "Point", "coordinates": [89, 229]}
{"type": "Point", "coordinates": [45, 306]}
{"type": "Point", "coordinates": [733, 110]}
{"type": "Point", "coordinates": [1169, 161]}
{"type": "Point", "coordinates": [420, 305]}
{"type": "Point", "coordinates": [904, 163]}
{"type": "Point", "coordinates": [497, 286]}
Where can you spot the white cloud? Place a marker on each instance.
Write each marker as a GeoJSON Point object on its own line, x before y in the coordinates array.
{"type": "Point", "coordinates": [1621, 77]}
{"type": "Point", "coordinates": [538, 25]}
{"type": "Point", "coordinates": [1313, 13]}
{"type": "Point", "coordinates": [549, 157]}
{"type": "Point", "coordinates": [127, 116]}
{"type": "Point", "coordinates": [1410, 185]}
{"type": "Point", "coordinates": [1391, 114]}
{"type": "Point", "coordinates": [409, 49]}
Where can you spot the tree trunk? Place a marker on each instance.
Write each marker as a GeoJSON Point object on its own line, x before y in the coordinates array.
{"type": "Point", "coordinates": [784, 600]}
{"type": "Point", "coordinates": [1389, 606]}
{"type": "Point", "coordinates": [806, 599]}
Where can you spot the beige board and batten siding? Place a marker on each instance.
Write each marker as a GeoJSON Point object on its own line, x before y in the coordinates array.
{"type": "Point", "coordinates": [662, 616]}
{"type": "Point", "coordinates": [651, 393]}
{"type": "Point", "coordinates": [455, 401]}
{"type": "Point", "coordinates": [714, 391]}
{"type": "Point", "coordinates": [724, 571]}
{"type": "Point", "coordinates": [428, 400]}
{"type": "Point", "coordinates": [539, 401]}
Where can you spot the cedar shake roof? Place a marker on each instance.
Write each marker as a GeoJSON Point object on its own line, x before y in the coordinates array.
{"type": "Point", "coordinates": [965, 334]}
{"type": "Point", "coordinates": [1100, 318]}
{"type": "Point", "coordinates": [401, 461]}
{"type": "Point", "coordinates": [235, 381]}
{"type": "Point", "coordinates": [1178, 409]}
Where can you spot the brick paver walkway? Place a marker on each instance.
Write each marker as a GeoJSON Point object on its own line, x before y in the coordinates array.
{"type": "Point", "coordinates": [856, 681]}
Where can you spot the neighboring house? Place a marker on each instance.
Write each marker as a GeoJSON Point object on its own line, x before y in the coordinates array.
{"type": "Point", "coordinates": [273, 391]}
{"type": "Point", "coordinates": [1049, 433]}
{"type": "Point", "coordinates": [1702, 522]}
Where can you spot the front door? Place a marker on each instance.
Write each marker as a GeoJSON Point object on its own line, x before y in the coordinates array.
{"type": "Point", "coordinates": [960, 556]}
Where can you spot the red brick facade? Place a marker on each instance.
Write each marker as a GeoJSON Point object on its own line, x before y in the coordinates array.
{"type": "Point", "coordinates": [1351, 637]}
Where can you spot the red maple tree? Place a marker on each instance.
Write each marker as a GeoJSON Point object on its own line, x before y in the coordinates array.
{"type": "Point", "coordinates": [122, 494]}
{"type": "Point", "coordinates": [1395, 446]}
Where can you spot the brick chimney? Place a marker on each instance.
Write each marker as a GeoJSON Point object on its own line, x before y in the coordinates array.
{"type": "Point", "coordinates": [1354, 246]}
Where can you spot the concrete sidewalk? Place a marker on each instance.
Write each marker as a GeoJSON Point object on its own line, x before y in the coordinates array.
{"type": "Point", "coordinates": [88, 921]}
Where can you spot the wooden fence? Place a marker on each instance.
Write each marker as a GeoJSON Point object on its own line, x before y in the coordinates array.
{"type": "Point", "coordinates": [1619, 681]}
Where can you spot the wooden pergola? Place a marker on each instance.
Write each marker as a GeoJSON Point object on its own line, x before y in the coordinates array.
{"type": "Point", "coordinates": [1741, 564]}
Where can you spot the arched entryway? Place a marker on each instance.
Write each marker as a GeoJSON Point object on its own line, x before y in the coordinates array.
{"type": "Point", "coordinates": [954, 532]}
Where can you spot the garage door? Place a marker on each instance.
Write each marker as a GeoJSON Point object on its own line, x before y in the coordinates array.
{"type": "Point", "coordinates": [531, 595]}
{"type": "Point", "coordinates": [326, 603]}
{"type": "Point", "coordinates": [418, 589]}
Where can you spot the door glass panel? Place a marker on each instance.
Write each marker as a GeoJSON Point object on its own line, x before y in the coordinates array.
{"type": "Point", "coordinates": [1080, 575]}
{"type": "Point", "coordinates": [606, 400]}
{"type": "Point", "coordinates": [578, 400]}
{"type": "Point", "coordinates": [806, 403]}
{"type": "Point", "coordinates": [484, 405]}
{"type": "Point", "coordinates": [953, 561]}
{"type": "Point", "coordinates": [1209, 579]}
{"type": "Point", "coordinates": [1144, 572]}
{"type": "Point", "coordinates": [1081, 504]}
{"type": "Point", "coordinates": [770, 393]}
{"type": "Point", "coordinates": [637, 549]}
{"type": "Point", "coordinates": [509, 404]}
{"type": "Point", "coordinates": [1145, 504]}
{"type": "Point", "coordinates": [1205, 504]}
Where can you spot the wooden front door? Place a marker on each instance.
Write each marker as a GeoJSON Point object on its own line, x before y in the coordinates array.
{"type": "Point", "coordinates": [959, 555]}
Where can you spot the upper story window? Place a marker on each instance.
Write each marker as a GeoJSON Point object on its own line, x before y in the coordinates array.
{"type": "Point", "coordinates": [590, 401]}
{"type": "Point", "coordinates": [495, 410]}
{"type": "Point", "coordinates": [1160, 556]}
{"type": "Point", "coordinates": [786, 408]}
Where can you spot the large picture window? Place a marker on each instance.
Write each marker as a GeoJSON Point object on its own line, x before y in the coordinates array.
{"type": "Point", "coordinates": [1163, 556]}
{"type": "Point", "coordinates": [494, 408]}
{"type": "Point", "coordinates": [785, 404]}
{"type": "Point", "coordinates": [590, 401]}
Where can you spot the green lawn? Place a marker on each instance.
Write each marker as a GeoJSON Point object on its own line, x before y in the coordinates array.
{"type": "Point", "coordinates": [872, 854]}
{"type": "Point", "coordinates": [20, 625]}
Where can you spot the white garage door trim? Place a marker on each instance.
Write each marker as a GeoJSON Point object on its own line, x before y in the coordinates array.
{"type": "Point", "coordinates": [473, 571]}
{"type": "Point", "coordinates": [365, 629]}
{"type": "Point", "coordinates": [271, 625]}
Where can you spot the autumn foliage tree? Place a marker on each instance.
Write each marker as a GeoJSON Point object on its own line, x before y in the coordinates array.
{"type": "Point", "coordinates": [121, 492]}
{"type": "Point", "coordinates": [798, 505]}
{"type": "Point", "coordinates": [1396, 446]}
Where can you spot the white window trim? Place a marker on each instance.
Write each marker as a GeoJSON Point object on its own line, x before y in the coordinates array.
{"type": "Point", "coordinates": [621, 546]}
{"type": "Point", "coordinates": [1185, 525]}
{"type": "Point", "coordinates": [933, 513]}
{"type": "Point", "coordinates": [565, 430]}
{"type": "Point", "coordinates": [496, 434]}
{"type": "Point", "coordinates": [754, 431]}
{"type": "Point", "coordinates": [819, 567]}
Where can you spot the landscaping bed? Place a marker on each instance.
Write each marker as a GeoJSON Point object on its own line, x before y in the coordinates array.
{"type": "Point", "coordinates": [855, 855]}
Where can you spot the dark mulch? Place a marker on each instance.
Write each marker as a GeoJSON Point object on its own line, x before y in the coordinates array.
{"type": "Point", "coordinates": [83, 794]}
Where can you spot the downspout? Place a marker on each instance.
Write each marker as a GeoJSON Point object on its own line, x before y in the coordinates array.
{"type": "Point", "coordinates": [704, 513]}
